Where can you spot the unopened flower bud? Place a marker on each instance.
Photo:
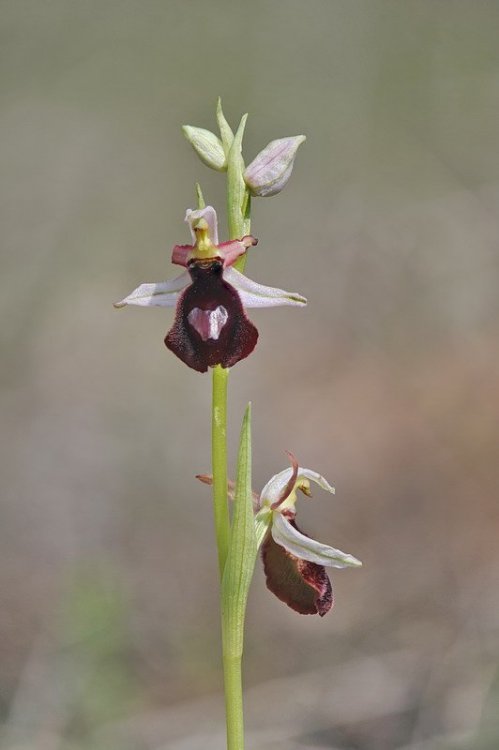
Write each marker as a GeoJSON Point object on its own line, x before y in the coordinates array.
{"type": "Point", "coordinates": [207, 146]}
{"type": "Point", "coordinates": [269, 172]}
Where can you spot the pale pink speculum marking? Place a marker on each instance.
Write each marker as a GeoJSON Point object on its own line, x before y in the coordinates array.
{"type": "Point", "coordinates": [208, 323]}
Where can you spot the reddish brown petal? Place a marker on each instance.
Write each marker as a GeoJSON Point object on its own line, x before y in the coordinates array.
{"type": "Point", "coordinates": [302, 585]}
{"type": "Point", "coordinates": [210, 327]}
{"type": "Point", "coordinates": [180, 254]}
{"type": "Point", "coordinates": [230, 251]}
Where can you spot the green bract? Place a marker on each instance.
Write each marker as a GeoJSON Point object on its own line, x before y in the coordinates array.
{"type": "Point", "coordinates": [242, 547]}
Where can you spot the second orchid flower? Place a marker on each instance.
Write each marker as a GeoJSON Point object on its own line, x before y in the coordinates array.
{"type": "Point", "coordinates": [294, 563]}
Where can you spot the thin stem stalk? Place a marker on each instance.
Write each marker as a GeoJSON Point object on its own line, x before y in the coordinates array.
{"type": "Point", "coordinates": [219, 463]}
{"type": "Point", "coordinates": [238, 205]}
{"type": "Point", "coordinates": [233, 685]}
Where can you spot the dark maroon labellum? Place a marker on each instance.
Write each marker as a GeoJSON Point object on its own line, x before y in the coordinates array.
{"type": "Point", "coordinates": [304, 586]}
{"type": "Point", "coordinates": [210, 326]}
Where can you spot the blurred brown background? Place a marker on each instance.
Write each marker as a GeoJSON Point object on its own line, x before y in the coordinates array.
{"type": "Point", "coordinates": [387, 383]}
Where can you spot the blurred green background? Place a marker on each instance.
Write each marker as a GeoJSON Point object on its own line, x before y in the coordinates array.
{"type": "Point", "coordinates": [387, 383]}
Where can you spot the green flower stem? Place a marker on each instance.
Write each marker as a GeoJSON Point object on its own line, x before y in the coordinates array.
{"type": "Point", "coordinates": [238, 197]}
{"type": "Point", "coordinates": [219, 462]}
{"type": "Point", "coordinates": [219, 448]}
{"type": "Point", "coordinates": [230, 564]}
{"type": "Point", "coordinates": [233, 685]}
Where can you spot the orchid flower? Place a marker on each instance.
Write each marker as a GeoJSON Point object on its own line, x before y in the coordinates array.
{"type": "Point", "coordinates": [294, 564]}
{"type": "Point", "coordinates": [210, 327]}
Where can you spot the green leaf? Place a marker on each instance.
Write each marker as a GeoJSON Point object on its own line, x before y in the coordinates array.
{"type": "Point", "coordinates": [226, 133]}
{"type": "Point", "coordinates": [241, 557]}
{"type": "Point", "coordinates": [200, 196]}
{"type": "Point", "coordinates": [236, 187]}
{"type": "Point", "coordinates": [263, 522]}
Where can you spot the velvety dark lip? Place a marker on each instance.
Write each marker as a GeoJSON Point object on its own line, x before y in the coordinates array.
{"type": "Point", "coordinates": [208, 291]}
